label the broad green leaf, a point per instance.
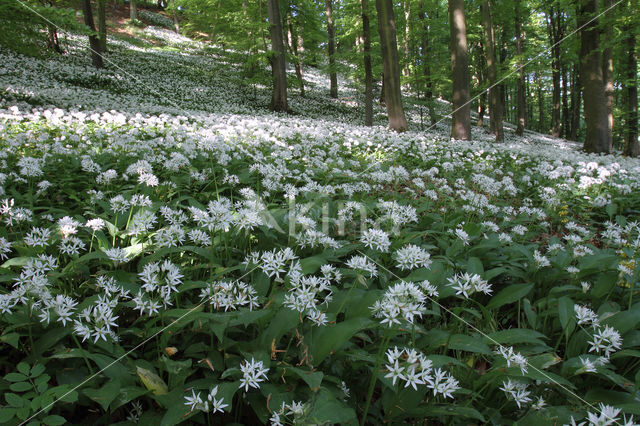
(474, 344)
(451, 410)
(328, 409)
(54, 420)
(14, 400)
(311, 378)
(474, 266)
(20, 386)
(332, 337)
(15, 377)
(509, 294)
(566, 315)
(105, 395)
(152, 381)
(516, 335)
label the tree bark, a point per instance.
(556, 25)
(278, 65)
(541, 128)
(631, 135)
(94, 42)
(521, 97)
(389, 47)
(607, 75)
(333, 76)
(576, 100)
(368, 73)
(174, 15)
(407, 35)
(295, 42)
(424, 50)
(461, 117)
(565, 103)
(133, 10)
(595, 108)
(495, 95)
(102, 25)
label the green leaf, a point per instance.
(37, 370)
(54, 420)
(462, 342)
(20, 386)
(566, 315)
(451, 410)
(15, 377)
(105, 395)
(517, 335)
(509, 294)
(313, 379)
(311, 264)
(6, 414)
(327, 409)
(10, 339)
(14, 400)
(152, 381)
(474, 266)
(332, 338)
(24, 368)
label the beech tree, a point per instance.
(94, 42)
(389, 47)
(277, 58)
(368, 79)
(461, 117)
(333, 75)
(495, 95)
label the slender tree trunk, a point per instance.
(102, 25)
(424, 50)
(480, 68)
(521, 97)
(389, 47)
(174, 15)
(133, 10)
(576, 100)
(607, 74)
(407, 36)
(556, 25)
(52, 38)
(278, 65)
(631, 135)
(461, 117)
(381, 100)
(495, 95)
(94, 42)
(541, 127)
(595, 107)
(333, 76)
(565, 103)
(368, 73)
(297, 57)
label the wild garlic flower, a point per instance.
(37, 237)
(411, 257)
(96, 224)
(5, 247)
(512, 357)
(253, 372)
(163, 278)
(608, 416)
(465, 284)
(405, 300)
(607, 340)
(210, 404)
(361, 263)
(376, 239)
(68, 226)
(230, 295)
(117, 255)
(586, 316)
(412, 367)
(292, 413)
(516, 391)
(541, 261)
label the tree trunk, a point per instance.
(595, 107)
(495, 95)
(389, 47)
(102, 25)
(631, 143)
(461, 117)
(541, 128)
(174, 13)
(295, 52)
(407, 35)
(607, 74)
(133, 10)
(278, 65)
(424, 50)
(576, 100)
(521, 97)
(556, 25)
(368, 73)
(565, 103)
(52, 38)
(94, 42)
(333, 76)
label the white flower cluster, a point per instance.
(376, 239)
(412, 367)
(411, 257)
(160, 282)
(288, 414)
(405, 300)
(230, 295)
(209, 404)
(308, 293)
(253, 372)
(513, 357)
(272, 262)
(361, 263)
(517, 391)
(465, 285)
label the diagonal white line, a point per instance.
(485, 335)
(88, 379)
